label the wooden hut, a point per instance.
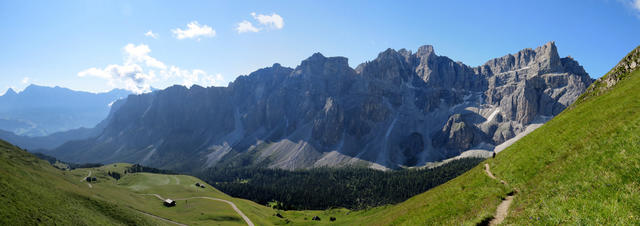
(169, 203)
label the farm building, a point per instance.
(169, 203)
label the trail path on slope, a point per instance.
(246, 219)
(85, 178)
(503, 208)
(160, 218)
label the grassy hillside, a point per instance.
(582, 167)
(33, 192)
(133, 189)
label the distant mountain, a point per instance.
(51, 141)
(40, 110)
(401, 109)
(47, 142)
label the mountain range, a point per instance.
(401, 109)
(581, 167)
(41, 110)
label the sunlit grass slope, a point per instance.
(133, 190)
(33, 192)
(583, 166)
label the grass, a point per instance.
(33, 192)
(132, 187)
(581, 167)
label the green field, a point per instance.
(134, 191)
(33, 192)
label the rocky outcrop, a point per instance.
(457, 136)
(628, 64)
(400, 109)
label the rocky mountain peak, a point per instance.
(544, 59)
(425, 50)
(548, 58)
(405, 53)
(10, 92)
(391, 55)
(319, 65)
(387, 53)
(317, 59)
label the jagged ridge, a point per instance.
(387, 113)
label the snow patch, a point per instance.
(146, 158)
(502, 73)
(493, 114)
(475, 153)
(537, 122)
(393, 123)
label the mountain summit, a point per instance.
(401, 109)
(9, 93)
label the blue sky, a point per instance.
(100, 45)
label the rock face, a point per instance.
(628, 64)
(401, 109)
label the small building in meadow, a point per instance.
(169, 203)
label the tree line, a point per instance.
(323, 188)
(71, 166)
(137, 168)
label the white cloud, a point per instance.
(131, 77)
(25, 80)
(633, 5)
(139, 71)
(140, 53)
(151, 34)
(195, 76)
(271, 21)
(194, 30)
(246, 26)
(210, 80)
